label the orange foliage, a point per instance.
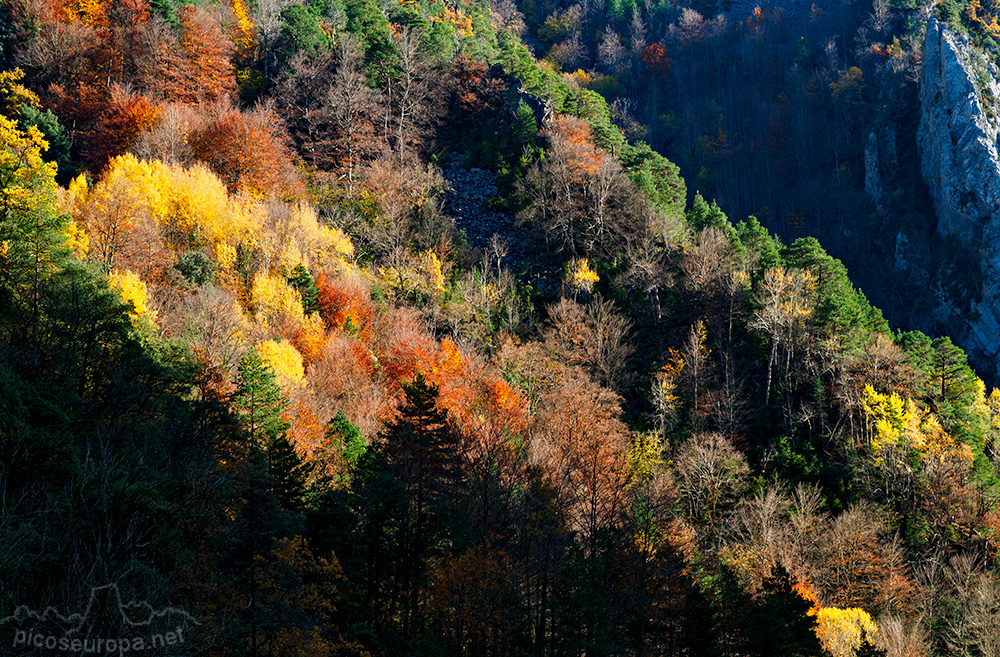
(197, 68)
(582, 444)
(409, 349)
(583, 157)
(343, 377)
(345, 306)
(307, 431)
(310, 338)
(656, 60)
(123, 118)
(247, 150)
(477, 592)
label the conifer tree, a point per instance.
(258, 401)
(780, 622)
(348, 437)
(288, 472)
(303, 281)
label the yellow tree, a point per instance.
(843, 631)
(133, 292)
(785, 301)
(32, 229)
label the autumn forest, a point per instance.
(488, 327)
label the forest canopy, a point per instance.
(376, 328)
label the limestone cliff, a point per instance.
(957, 138)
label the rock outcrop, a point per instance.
(957, 139)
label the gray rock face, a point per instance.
(957, 138)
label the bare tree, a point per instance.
(352, 105)
(611, 53)
(410, 111)
(710, 475)
(785, 303)
(594, 337)
(506, 16)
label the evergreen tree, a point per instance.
(868, 650)
(258, 401)
(753, 238)
(525, 126)
(700, 632)
(954, 380)
(347, 437)
(702, 215)
(406, 505)
(303, 281)
(780, 622)
(288, 472)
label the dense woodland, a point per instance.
(250, 367)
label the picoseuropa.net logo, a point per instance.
(107, 626)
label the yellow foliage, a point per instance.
(276, 305)
(285, 361)
(458, 18)
(742, 559)
(299, 236)
(312, 337)
(893, 417)
(199, 203)
(225, 256)
(193, 200)
(579, 77)
(22, 154)
(245, 27)
(31, 226)
(842, 631)
(13, 94)
(133, 291)
(580, 276)
(794, 291)
(149, 179)
(994, 404)
(421, 272)
(899, 421)
(77, 240)
(665, 385)
(339, 241)
(645, 456)
(76, 194)
(430, 266)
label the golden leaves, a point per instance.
(133, 291)
(842, 631)
(579, 275)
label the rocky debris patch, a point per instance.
(470, 201)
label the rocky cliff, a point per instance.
(957, 139)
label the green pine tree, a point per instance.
(258, 401)
(702, 215)
(347, 437)
(779, 622)
(288, 472)
(868, 650)
(700, 631)
(303, 281)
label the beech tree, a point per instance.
(582, 444)
(353, 106)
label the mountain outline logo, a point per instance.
(133, 614)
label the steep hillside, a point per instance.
(354, 328)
